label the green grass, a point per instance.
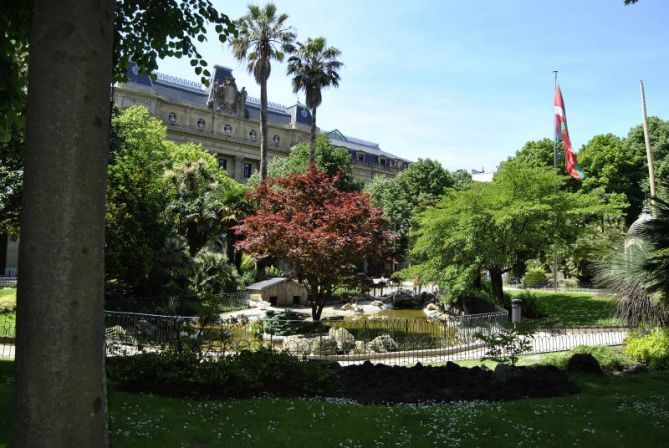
(7, 311)
(573, 309)
(611, 411)
(610, 358)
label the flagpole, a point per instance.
(649, 153)
(555, 167)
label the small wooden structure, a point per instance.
(278, 291)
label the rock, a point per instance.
(383, 344)
(144, 329)
(377, 303)
(584, 363)
(432, 314)
(115, 333)
(297, 345)
(360, 348)
(431, 307)
(324, 345)
(636, 368)
(347, 307)
(345, 340)
(503, 372)
(358, 309)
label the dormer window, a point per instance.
(201, 123)
(227, 129)
(172, 117)
(253, 135)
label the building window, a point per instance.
(297, 300)
(276, 139)
(273, 300)
(253, 135)
(248, 169)
(361, 157)
(201, 123)
(382, 162)
(172, 117)
(227, 129)
(223, 163)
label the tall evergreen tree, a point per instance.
(314, 66)
(262, 36)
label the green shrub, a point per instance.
(212, 274)
(247, 374)
(530, 306)
(284, 323)
(535, 278)
(7, 300)
(609, 358)
(650, 348)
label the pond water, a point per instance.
(390, 314)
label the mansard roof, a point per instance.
(196, 94)
(337, 138)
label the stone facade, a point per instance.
(225, 121)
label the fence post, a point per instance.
(516, 309)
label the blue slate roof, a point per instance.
(371, 149)
(184, 91)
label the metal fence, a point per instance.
(390, 341)
(8, 281)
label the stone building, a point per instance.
(225, 121)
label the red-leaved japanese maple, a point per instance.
(322, 232)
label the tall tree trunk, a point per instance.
(230, 239)
(496, 284)
(59, 394)
(312, 143)
(476, 281)
(263, 130)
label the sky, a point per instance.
(468, 82)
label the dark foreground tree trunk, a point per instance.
(59, 394)
(496, 284)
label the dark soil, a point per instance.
(368, 383)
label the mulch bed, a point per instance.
(377, 383)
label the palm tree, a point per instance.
(262, 36)
(314, 66)
(656, 233)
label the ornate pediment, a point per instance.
(224, 97)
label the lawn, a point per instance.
(575, 309)
(7, 311)
(611, 411)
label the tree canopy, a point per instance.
(314, 66)
(321, 231)
(495, 225)
(331, 159)
(400, 197)
(262, 36)
(162, 198)
(144, 32)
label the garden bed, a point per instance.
(374, 384)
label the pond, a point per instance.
(390, 314)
